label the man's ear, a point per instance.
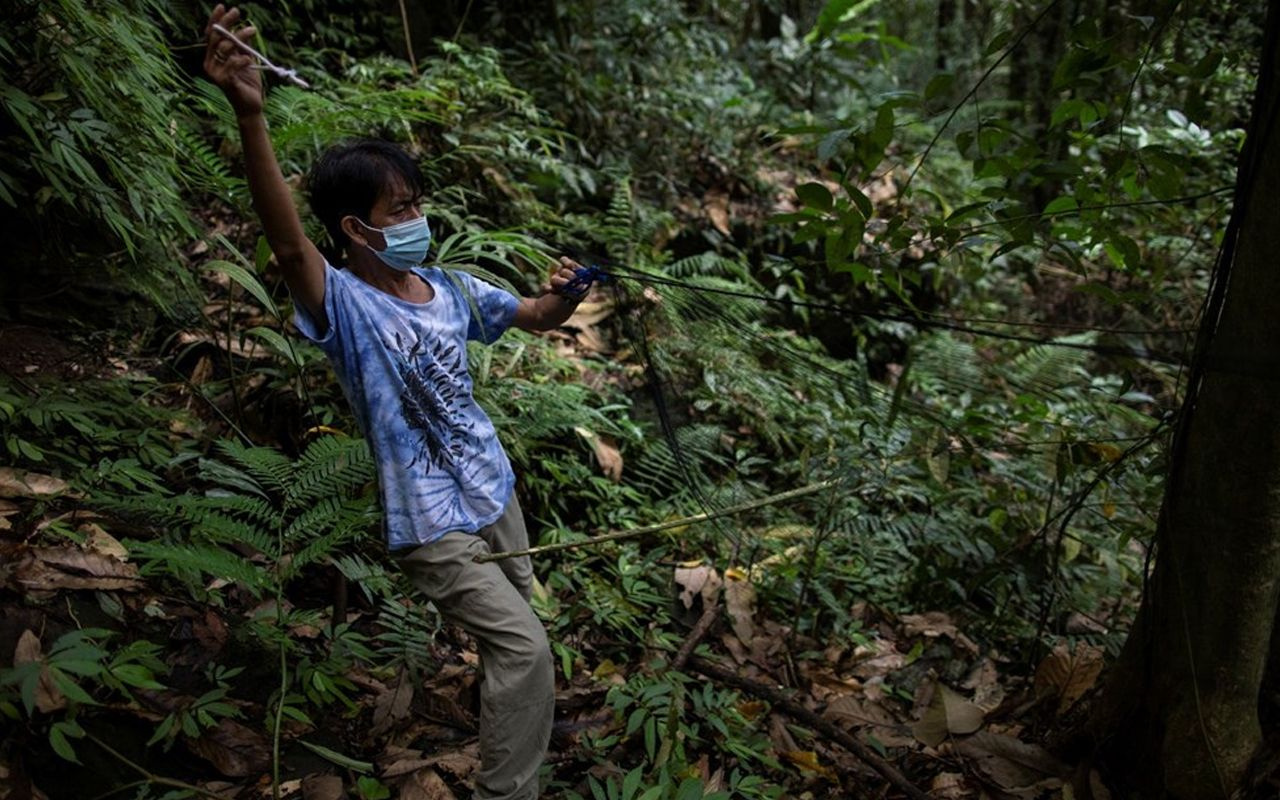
(360, 234)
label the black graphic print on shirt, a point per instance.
(432, 401)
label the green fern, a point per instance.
(332, 466)
(262, 503)
(191, 562)
(1045, 369)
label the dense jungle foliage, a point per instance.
(938, 262)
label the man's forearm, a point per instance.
(299, 260)
(550, 311)
(271, 196)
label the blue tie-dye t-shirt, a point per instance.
(403, 367)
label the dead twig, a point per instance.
(792, 709)
(661, 526)
(700, 629)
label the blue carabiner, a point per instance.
(583, 277)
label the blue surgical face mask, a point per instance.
(407, 243)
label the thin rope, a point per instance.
(951, 324)
(290, 75)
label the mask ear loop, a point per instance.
(290, 75)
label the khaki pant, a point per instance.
(491, 602)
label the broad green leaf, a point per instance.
(69, 687)
(58, 740)
(815, 195)
(277, 342)
(248, 281)
(690, 789)
(997, 44)
(860, 200)
(1061, 204)
(337, 758)
(834, 13)
(828, 144)
(1205, 67)
(136, 675)
(938, 84)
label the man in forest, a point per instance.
(396, 335)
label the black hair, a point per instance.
(349, 178)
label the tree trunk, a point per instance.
(1179, 716)
(944, 36)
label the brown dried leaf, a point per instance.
(102, 543)
(20, 483)
(694, 581)
(459, 763)
(933, 624)
(872, 718)
(877, 660)
(716, 203)
(323, 787)
(233, 749)
(425, 784)
(395, 761)
(442, 706)
(606, 452)
(735, 648)
(1097, 788)
(210, 632)
(1068, 675)
(984, 680)
(392, 704)
(827, 684)
(48, 696)
(948, 714)
(949, 786)
(1014, 766)
(90, 563)
(740, 597)
(807, 761)
(780, 734)
(33, 574)
(589, 313)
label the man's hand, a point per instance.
(231, 70)
(552, 309)
(562, 276)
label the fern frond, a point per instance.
(205, 169)
(191, 561)
(331, 466)
(697, 448)
(321, 547)
(1045, 369)
(711, 264)
(222, 529)
(269, 468)
(370, 576)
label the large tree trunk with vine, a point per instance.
(1180, 713)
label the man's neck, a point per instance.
(404, 285)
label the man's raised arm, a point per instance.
(233, 72)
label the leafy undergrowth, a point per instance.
(173, 597)
(132, 682)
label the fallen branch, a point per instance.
(149, 777)
(798, 712)
(700, 629)
(613, 536)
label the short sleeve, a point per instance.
(491, 309)
(306, 324)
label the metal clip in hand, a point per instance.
(288, 74)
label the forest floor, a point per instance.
(914, 705)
